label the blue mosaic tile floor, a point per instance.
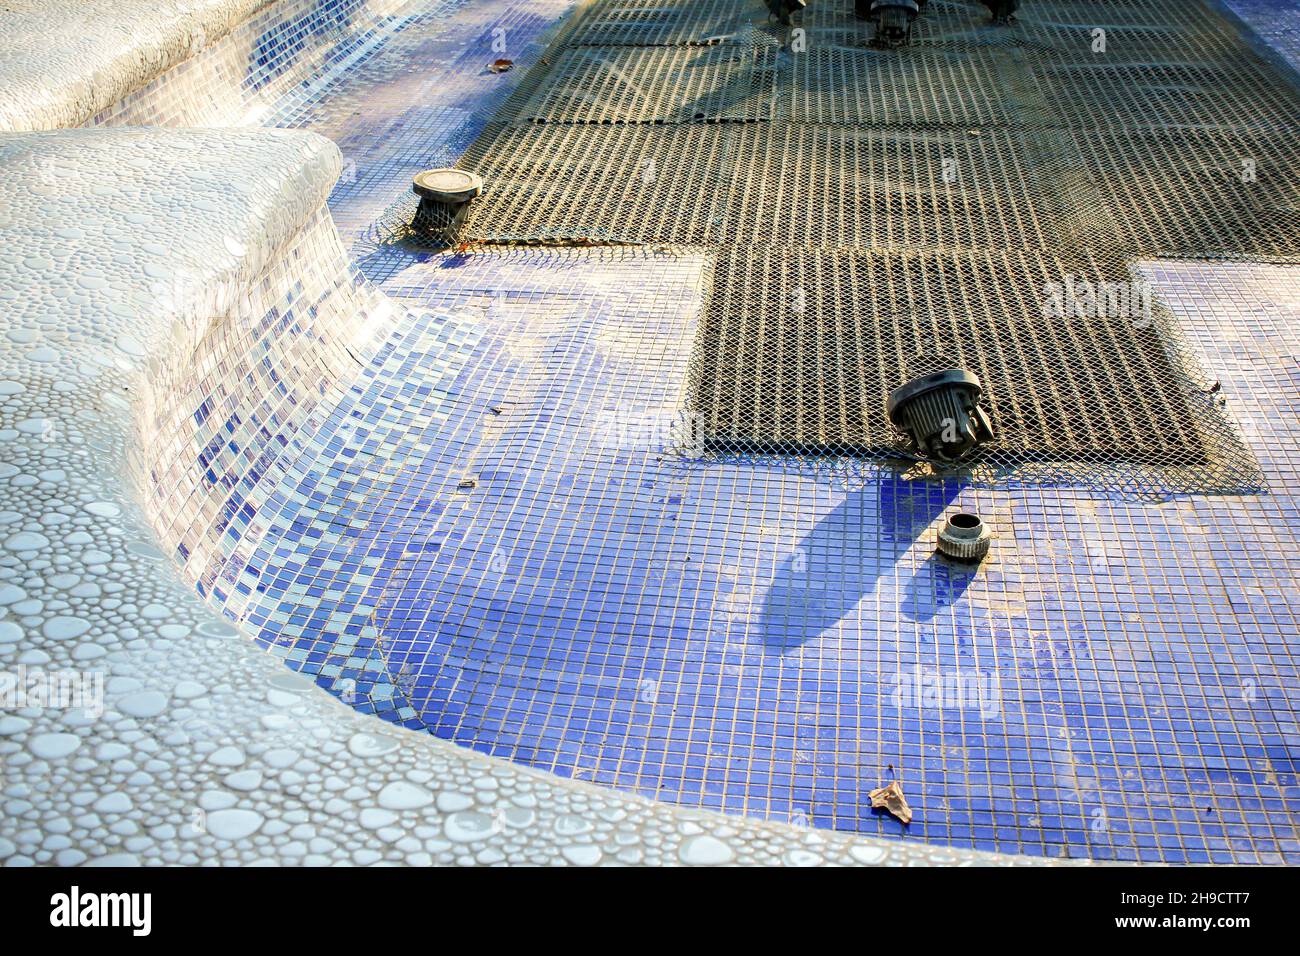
(541, 580)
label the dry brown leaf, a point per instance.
(892, 799)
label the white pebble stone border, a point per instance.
(65, 60)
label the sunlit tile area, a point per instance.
(457, 489)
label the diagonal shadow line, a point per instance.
(845, 556)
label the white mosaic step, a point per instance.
(65, 60)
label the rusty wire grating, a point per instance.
(663, 85)
(927, 194)
(838, 187)
(647, 23)
(799, 359)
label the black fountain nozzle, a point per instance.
(783, 10)
(893, 19)
(1003, 10)
(445, 195)
(940, 414)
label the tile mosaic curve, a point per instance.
(64, 61)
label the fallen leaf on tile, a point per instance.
(891, 798)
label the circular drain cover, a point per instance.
(447, 185)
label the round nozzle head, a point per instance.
(447, 185)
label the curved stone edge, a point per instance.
(62, 61)
(287, 50)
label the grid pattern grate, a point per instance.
(836, 85)
(557, 184)
(1199, 193)
(822, 186)
(792, 366)
(643, 23)
(969, 165)
(1167, 95)
(662, 85)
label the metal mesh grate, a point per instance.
(624, 85)
(663, 23)
(1042, 27)
(1171, 94)
(1169, 14)
(834, 85)
(583, 184)
(1198, 193)
(836, 187)
(797, 355)
(922, 202)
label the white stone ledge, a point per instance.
(62, 61)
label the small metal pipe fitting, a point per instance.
(964, 537)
